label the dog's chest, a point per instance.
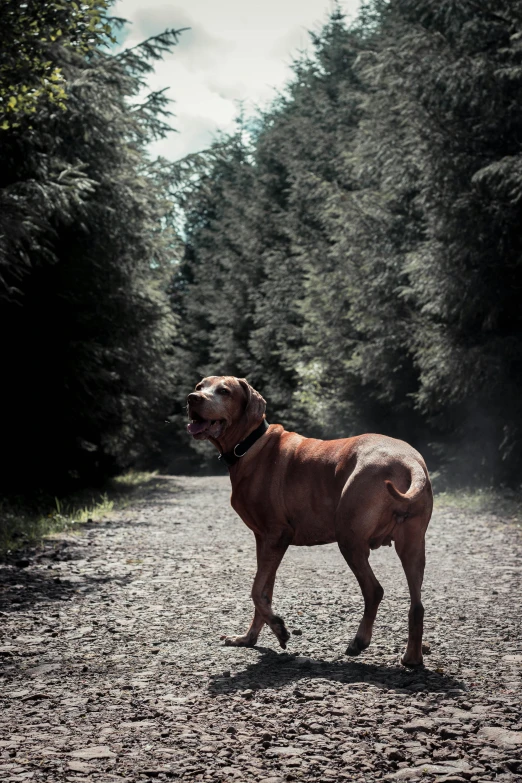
(310, 532)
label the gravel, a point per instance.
(112, 667)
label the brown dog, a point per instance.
(362, 492)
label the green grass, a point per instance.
(22, 526)
(504, 503)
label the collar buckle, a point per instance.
(231, 457)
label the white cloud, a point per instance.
(236, 51)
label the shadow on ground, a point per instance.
(22, 589)
(275, 670)
(22, 585)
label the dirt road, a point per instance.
(112, 667)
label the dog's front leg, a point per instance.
(270, 552)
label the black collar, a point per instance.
(231, 457)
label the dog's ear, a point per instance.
(255, 404)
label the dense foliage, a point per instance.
(33, 36)
(356, 253)
(85, 251)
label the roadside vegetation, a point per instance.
(502, 503)
(23, 526)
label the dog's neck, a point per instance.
(236, 438)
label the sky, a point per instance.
(237, 52)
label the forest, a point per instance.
(354, 250)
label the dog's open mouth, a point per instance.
(202, 429)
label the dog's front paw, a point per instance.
(238, 641)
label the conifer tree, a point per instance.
(85, 251)
(359, 257)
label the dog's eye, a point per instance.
(223, 391)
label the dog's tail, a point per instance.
(418, 483)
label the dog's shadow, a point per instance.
(275, 670)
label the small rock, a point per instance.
(512, 658)
(500, 736)
(441, 769)
(22, 563)
(26, 639)
(420, 770)
(79, 766)
(403, 774)
(297, 632)
(303, 660)
(448, 732)
(479, 709)
(137, 724)
(419, 724)
(96, 752)
(43, 669)
(38, 696)
(394, 754)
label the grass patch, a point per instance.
(503, 503)
(132, 483)
(22, 526)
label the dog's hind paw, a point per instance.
(356, 647)
(412, 663)
(278, 627)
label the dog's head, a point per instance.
(223, 408)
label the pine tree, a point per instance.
(88, 361)
(447, 80)
(359, 257)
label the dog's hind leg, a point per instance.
(269, 556)
(409, 544)
(356, 555)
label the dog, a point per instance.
(361, 492)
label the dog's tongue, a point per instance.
(197, 426)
